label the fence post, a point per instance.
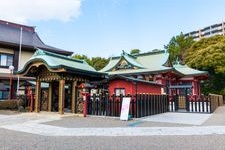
(132, 105)
(147, 104)
(137, 105)
(93, 105)
(120, 104)
(203, 104)
(106, 104)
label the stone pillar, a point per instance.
(61, 96)
(37, 96)
(50, 97)
(74, 96)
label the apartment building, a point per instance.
(216, 29)
(17, 44)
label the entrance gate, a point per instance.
(180, 99)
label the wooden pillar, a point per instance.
(74, 96)
(37, 96)
(61, 96)
(50, 97)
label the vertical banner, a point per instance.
(125, 108)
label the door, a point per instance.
(182, 100)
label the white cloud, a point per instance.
(34, 10)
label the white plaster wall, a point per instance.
(25, 56)
(4, 70)
(6, 50)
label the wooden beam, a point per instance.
(74, 96)
(50, 97)
(61, 96)
(37, 96)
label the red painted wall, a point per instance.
(130, 87)
(118, 83)
(148, 88)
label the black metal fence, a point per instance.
(140, 105)
(196, 104)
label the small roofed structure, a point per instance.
(59, 71)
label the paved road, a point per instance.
(23, 141)
(50, 131)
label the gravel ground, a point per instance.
(99, 122)
(13, 140)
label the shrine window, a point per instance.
(120, 91)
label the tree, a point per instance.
(83, 57)
(97, 62)
(178, 47)
(209, 54)
(135, 51)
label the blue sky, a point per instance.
(106, 27)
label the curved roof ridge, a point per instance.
(53, 60)
(42, 52)
(111, 64)
(133, 61)
(186, 70)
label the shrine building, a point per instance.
(151, 73)
(63, 74)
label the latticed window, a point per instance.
(6, 60)
(120, 91)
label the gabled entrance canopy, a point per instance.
(58, 70)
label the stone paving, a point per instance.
(50, 131)
(52, 124)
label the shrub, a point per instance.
(10, 104)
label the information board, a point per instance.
(125, 108)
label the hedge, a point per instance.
(10, 104)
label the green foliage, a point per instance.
(135, 51)
(97, 62)
(209, 54)
(178, 46)
(83, 57)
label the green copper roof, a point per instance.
(56, 61)
(150, 62)
(110, 65)
(154, 60)
(187, 71)
(145, 62)
(116, 60)
(138, 71)
(132, 61)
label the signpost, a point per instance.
(125, 108)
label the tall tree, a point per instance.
(135, 51)
(209, 54)
(178, 47)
